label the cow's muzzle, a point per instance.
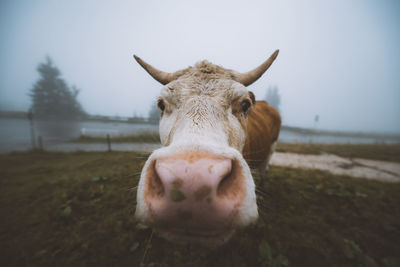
(194, 193)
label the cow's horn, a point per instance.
(253, 75)
(160, 76)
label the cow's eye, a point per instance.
(246, 105)
(161, 104)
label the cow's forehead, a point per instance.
(204, 79)
(205, 70)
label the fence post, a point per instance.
(40, 143)
(30, 118)
(109, 143)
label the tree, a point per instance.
(51, 96)
(273, 97)
(154, 113)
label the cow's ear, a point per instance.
(252, 97)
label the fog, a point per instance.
(339, 59)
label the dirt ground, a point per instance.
(76, 209)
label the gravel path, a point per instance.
(363, 168)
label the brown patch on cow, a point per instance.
(233, 185)
(263, 127)
(153, 187)
(177, 182)
(202, 193)
(210, 168)
(184, 215)
(242, 116)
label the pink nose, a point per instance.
(197, 191)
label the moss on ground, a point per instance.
(76, 209)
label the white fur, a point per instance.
(198, 117)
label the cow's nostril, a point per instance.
(230, 185)
(155, 185)
(225, 183)
(177, 195)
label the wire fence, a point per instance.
(22, 135)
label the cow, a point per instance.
(198, 188)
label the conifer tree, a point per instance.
(51, 96)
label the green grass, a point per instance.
(375, 151)
(76, 209)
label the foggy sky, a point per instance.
(339, 59)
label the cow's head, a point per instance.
(198, 187)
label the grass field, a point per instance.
(76, 209)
